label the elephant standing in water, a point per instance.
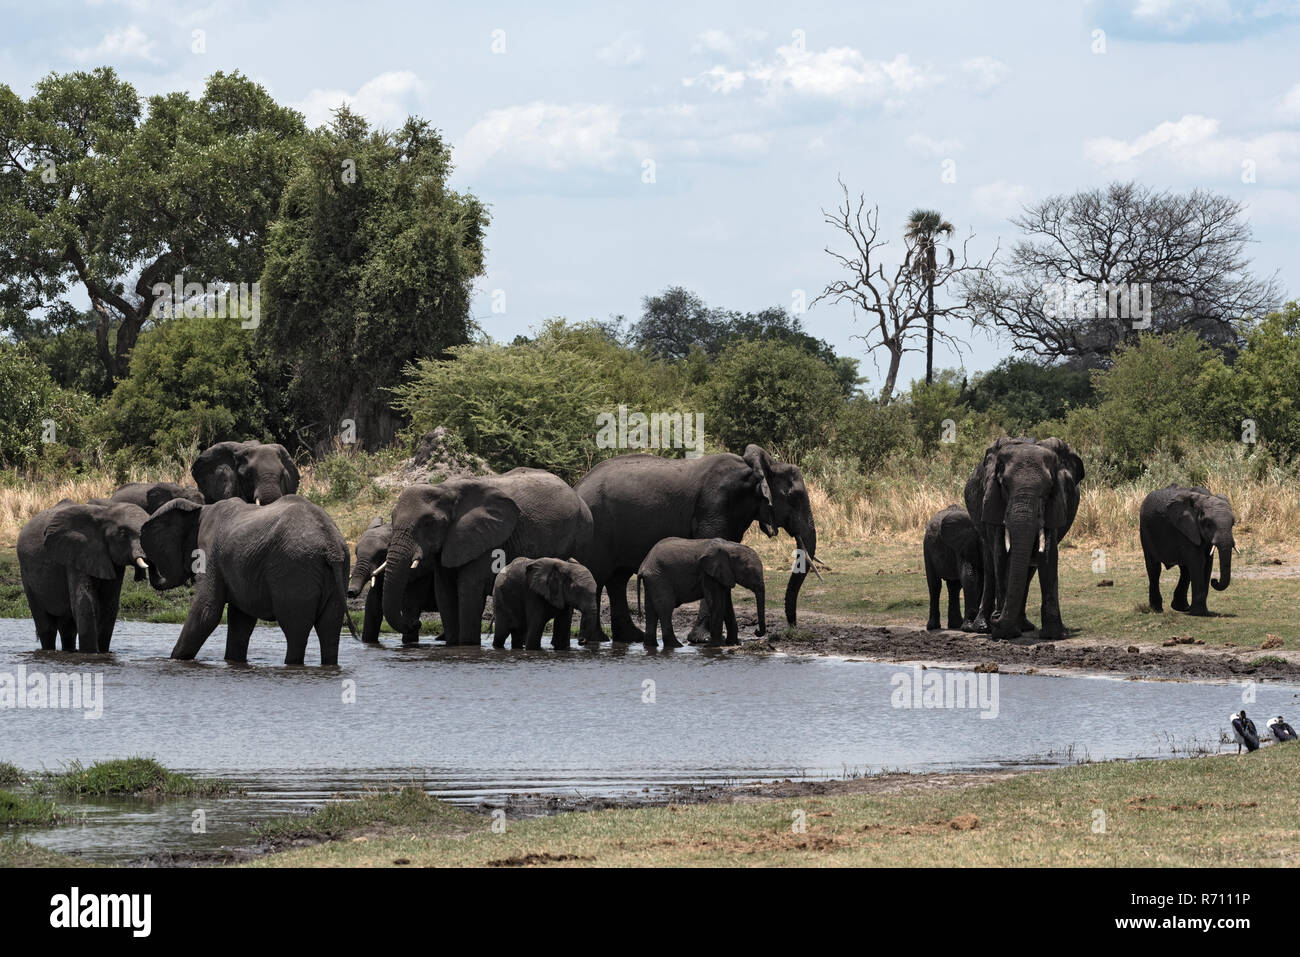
(682, 570)
(250, 471)
(1023, 497)
(152, 496)
(372, 562)
(638, 500)
(468, 529)
(532, 591)
(285, 562)
(1183, 527)
(71, 558)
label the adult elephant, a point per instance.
(471, 528)
(152, 496)
(252, 471)
(286, 562)
(1183, 527)
(638, 500)
(372, 567)
(71, 558)
(1023, 496)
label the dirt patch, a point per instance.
(438, 455)
(532, 860)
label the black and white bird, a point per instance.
(1243, 729)
(1281, 730)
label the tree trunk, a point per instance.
(891, 378)
(929, 315)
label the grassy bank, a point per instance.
(1213, 811)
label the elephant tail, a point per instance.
(341, 587)
(639, 613)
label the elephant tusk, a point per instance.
(378, 571)
(1006, 538)
(141, 563)
(414, 565)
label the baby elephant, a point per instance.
(681, 570)
(1183, 526)
(953, 555)
(372, 561)
(529, 592)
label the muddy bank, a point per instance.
(1024, 655)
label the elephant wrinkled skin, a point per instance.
(250, 471)
(681, 570)
(1183, 527)
(532, 591)
(371, 566)
(953, 555)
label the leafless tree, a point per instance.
(1189, 247)
(896, 299)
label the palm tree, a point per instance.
(924, 227)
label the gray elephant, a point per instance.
(638, 500)
(285, 562)
(252, 471)
(371, 566)
(1183, 527)
(681, 570)
(71, 558)
(1023, 497)
(954, 555)
(463, 527)
(529, 592)
(152, 496)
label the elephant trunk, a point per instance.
(1022, 530)
(805, 537)
(1225, 568)
(400, 555)
(268, 490)
(360, 575)
(760, 600)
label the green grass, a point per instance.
(1210, 811)
(20, 809)
(139, 602)
(131, 776)
(10, 774)
(409, 807)
(18, 853)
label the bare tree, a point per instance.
(1185, 252)
(897, 300)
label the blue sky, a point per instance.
(748, 112)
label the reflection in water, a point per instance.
(470, 724)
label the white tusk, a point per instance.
(414, 564)
(141, 563)
(379, 571)
(1042, 541)
(1006, 536)
(257, 501)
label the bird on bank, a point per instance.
(1243, 730)
(1281, 730)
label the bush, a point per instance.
(37, 418)
(872, 433)
(1019, 394)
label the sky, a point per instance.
(624, 148)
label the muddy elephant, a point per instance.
(953, 555)
(1184, 527)
(251, 471)
(285, 562)
(152, 496)
(71, 558)
(371, 566)
(638, 500)
(1023, 497)
(468, 529)
(682, 570)
(530, 592)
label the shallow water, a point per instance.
(476, 724)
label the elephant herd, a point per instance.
(1021, 500)
(254, 549)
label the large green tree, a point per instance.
(370, 267)
(103, 196)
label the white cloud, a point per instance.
(552, 136)
(933, 147)
(984, 73)
(719, 41)
(385, 100)
(1170, 135)
(624, 50)
(1193, 146)
(718, 80)
(1290, 108)
(1000, 199)
(127, 43)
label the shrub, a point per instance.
(29, 403)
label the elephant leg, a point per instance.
(1026, 625)
(1200, 585)
(665, 612)
(85, 609)
(110, 599)
(1153, 578)
(988, 588)
(1180, 590)
(536, 614)
(374, 614)
(972, 584)
(471, 595)
(328, 628)
(933, 585)
(619, 616)
(651, 618)
(47, 626)
(67, 633)
(729, 619)
(500, 624)
(239, 629)
(702, 628)
(954, 604)
(295, 636)
(205, 614)
(562, 629)
(1053, 627)
(445, 594)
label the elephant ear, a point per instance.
(994, 506)
(215, 472)
(1181, 513)
(716, 563)
(1066, 456)
(73, 537)
(170, 534)
(484, 519)
(289, 481)
(760, 464)
(544, 579)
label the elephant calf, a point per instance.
(681, 570)
(71, 558)
(1183, 526)
(953, 554)
(529, 592)
(285, 562)
(372, 561)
